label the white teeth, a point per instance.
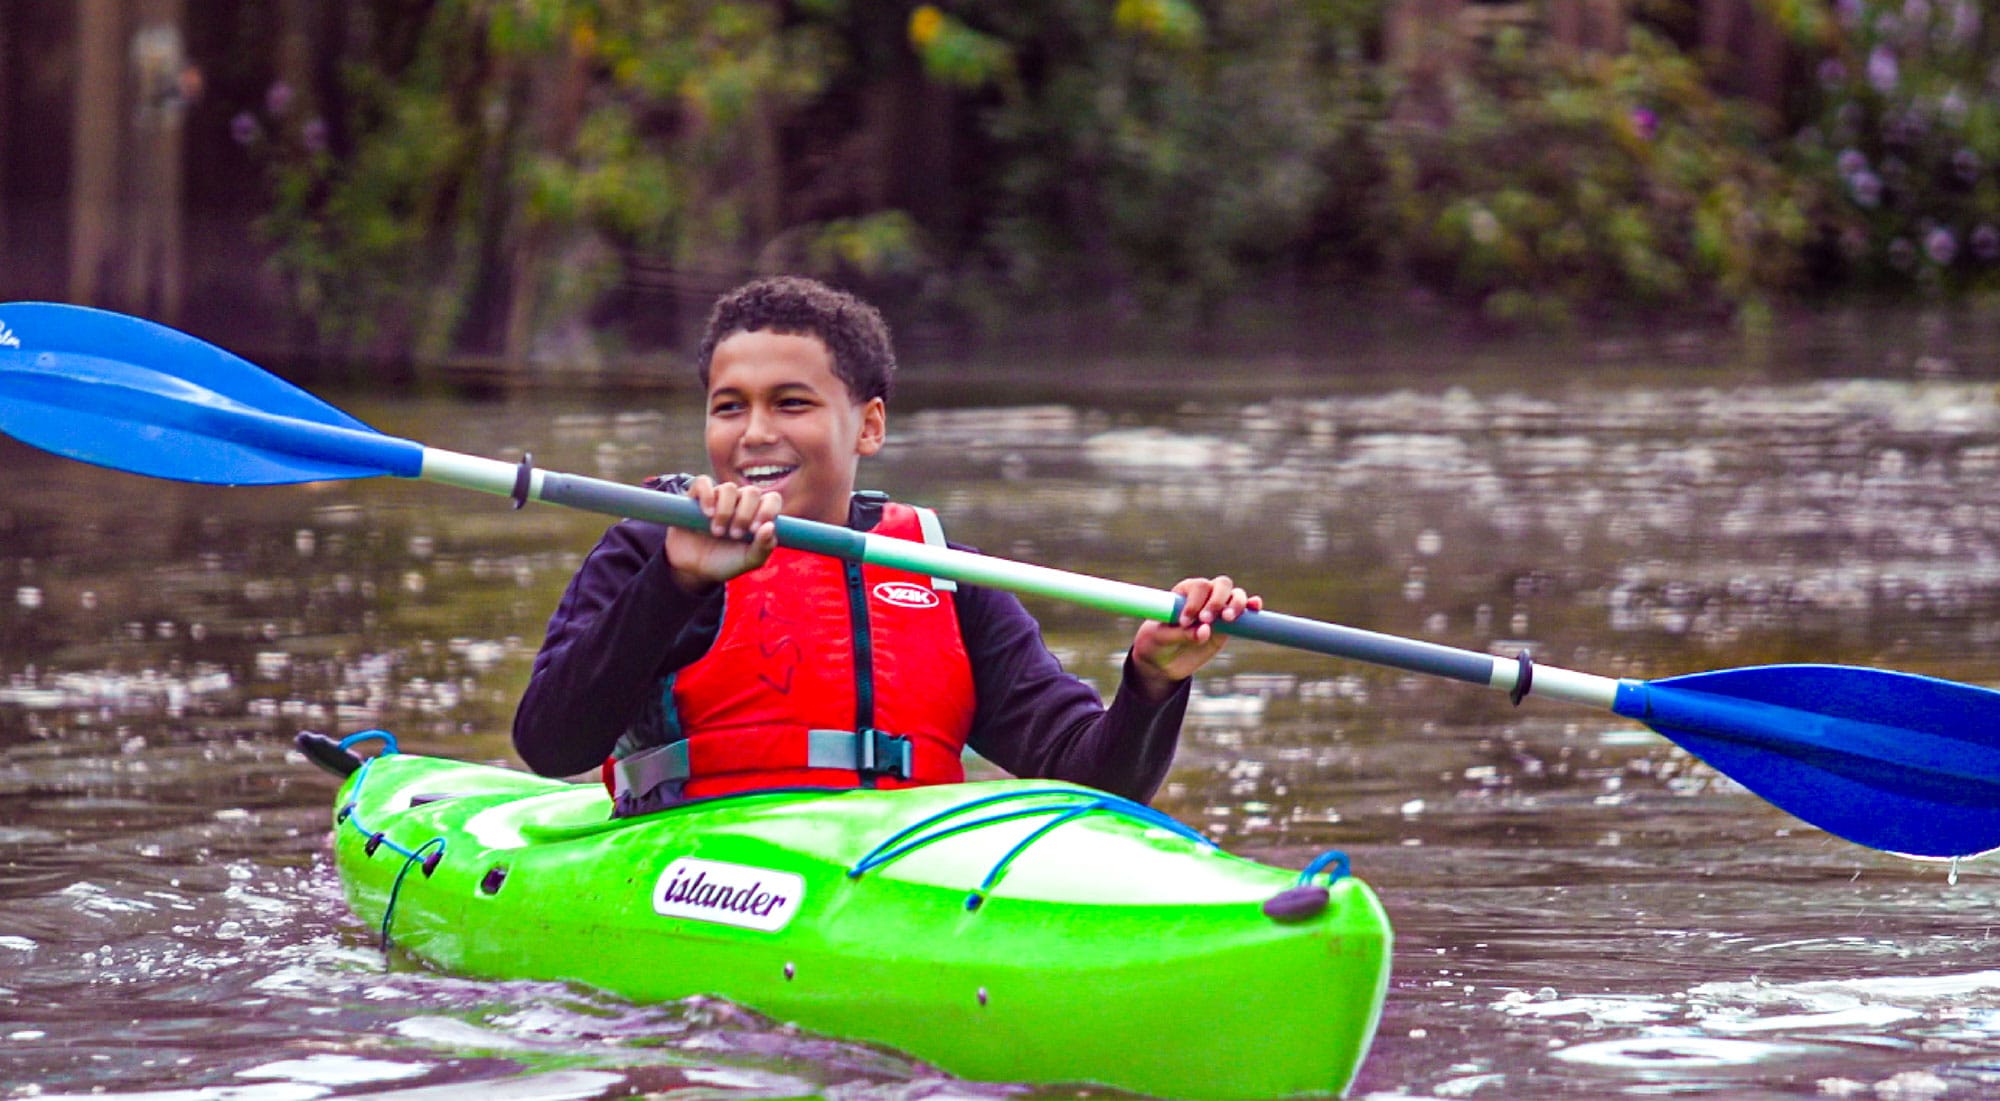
(766, 473)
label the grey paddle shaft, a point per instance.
(1117, 597)
(1351, 642)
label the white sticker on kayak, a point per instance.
(729, 894)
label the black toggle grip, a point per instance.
(327, 754)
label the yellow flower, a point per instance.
(1145, 16)
(926, 23)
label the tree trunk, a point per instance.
(153, 226)
(1588, 26)
(767, 171)
(94, 145)
(294, 52)
(557, 90)
(127, 180)
(1424, 47)
(6, 98)
(1745, 52)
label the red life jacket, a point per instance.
(818, 662)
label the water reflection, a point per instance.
(1582, 907)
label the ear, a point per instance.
(874, 427)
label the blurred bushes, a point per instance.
(1591, 183)
(1907, 131)
(488, 174)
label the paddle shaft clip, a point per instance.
(524, 479)
(1524, 681)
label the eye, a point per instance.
(722, 407)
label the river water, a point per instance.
(1582, 909)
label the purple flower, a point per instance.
(1965, 162)
(1952, 108)
(313, 134)
(1964, 23)
(278, 99)
(1941, 246)
(1986, 243)
(244, 128)
(1866, 188)
(1851, 161)
(1883, 71)
(1832, 74)
(1904, 127)
(1850, 12)
(1645, 122)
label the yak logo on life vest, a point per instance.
(905, 595)
(728, 894)
(7, 337)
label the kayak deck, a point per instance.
(1008, 930)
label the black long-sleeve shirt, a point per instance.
(623, 624)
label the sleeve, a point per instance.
(1034, 719)
(620, 626)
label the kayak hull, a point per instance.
(1031, 931)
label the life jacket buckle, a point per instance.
(878, 753)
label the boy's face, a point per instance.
(779, 418)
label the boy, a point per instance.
(704, 663)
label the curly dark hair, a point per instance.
(852, 330)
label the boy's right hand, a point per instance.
(741, 535)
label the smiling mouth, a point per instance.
(766, 475)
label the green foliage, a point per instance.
(954, 53)
(1166, 156)
(1906, 129)
(1563, 184)
(515, 131)
(888, 243)
(498, 166)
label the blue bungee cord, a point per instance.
(1081, 802)
(377, 839)
(1332, 863)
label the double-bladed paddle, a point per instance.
(1894, 761)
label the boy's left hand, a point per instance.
(1165, 654)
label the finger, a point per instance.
(1214, 595)
(728, 510)
(743, 520)
(1194, 599)
(768, 508)
(702, 489)
(725, 509)
(1220, 589)
(764, 541)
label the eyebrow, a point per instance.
(780, 388)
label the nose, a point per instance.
(762, 426)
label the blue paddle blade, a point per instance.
(125, 393)
(1895, 761)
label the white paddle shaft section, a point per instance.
(1548, 681)
(453, 468)
(1117, 597)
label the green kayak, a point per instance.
(1023, 931)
